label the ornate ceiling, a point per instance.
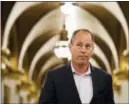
(30, 30)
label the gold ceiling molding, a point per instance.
(11, 72)
(122, 73)
(29, 88)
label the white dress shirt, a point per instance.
(84, 85)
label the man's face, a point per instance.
(81, 48)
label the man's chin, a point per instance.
(82, 62)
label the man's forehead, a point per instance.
(84, 34)
(87, 39)
(81, 32)
(79, 35)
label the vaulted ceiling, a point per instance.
(30, 31)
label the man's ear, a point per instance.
(93, 50)
(69, 46)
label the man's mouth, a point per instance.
(82, 56)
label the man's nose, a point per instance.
(83, 49)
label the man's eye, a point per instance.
(79, 45)
(88, 46)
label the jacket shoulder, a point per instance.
(60, 69)
(101, 72)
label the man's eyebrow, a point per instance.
(82, 43)
(79, 42)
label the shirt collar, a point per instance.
(88, 72)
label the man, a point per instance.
(78, 82)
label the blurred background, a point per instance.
(35, 38)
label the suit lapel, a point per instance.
(94, 81)
(72, 85)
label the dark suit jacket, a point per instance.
(59, 87)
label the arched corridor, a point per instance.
(35, 37)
